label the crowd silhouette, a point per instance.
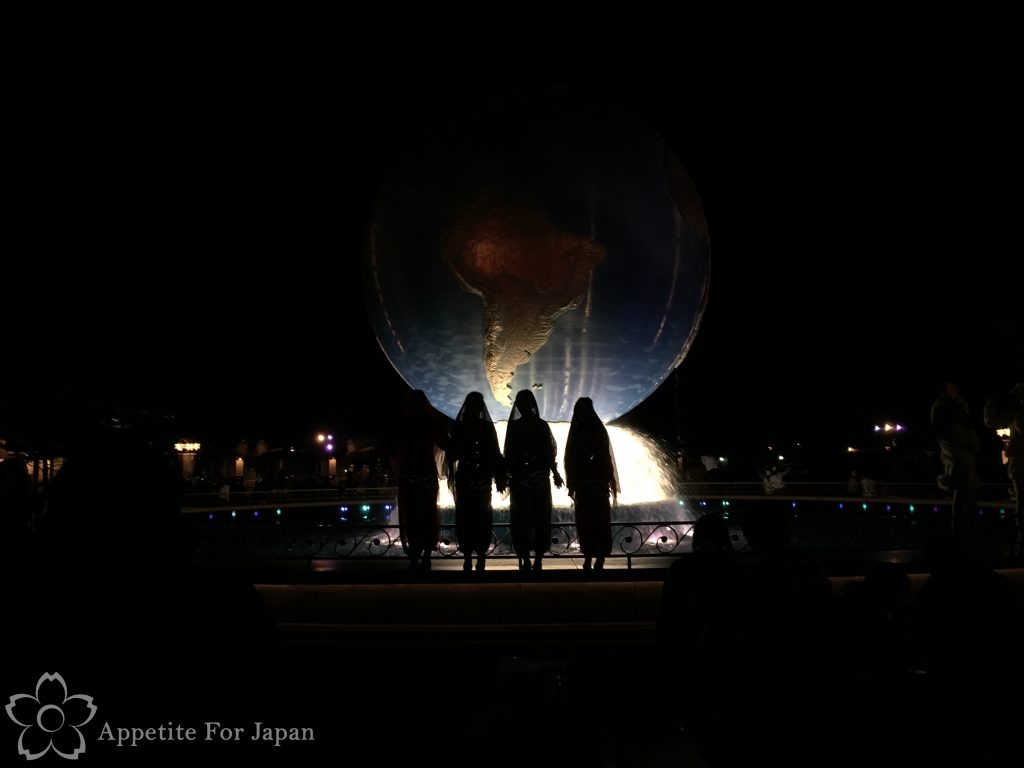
(779, 665)
(110, 596)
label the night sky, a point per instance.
(189, 193)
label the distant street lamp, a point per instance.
(326, 440)
(890, 430)
(187, 451)
(1004, 435)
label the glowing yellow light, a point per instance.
(1005, 432)
(851, 449)
(320, 438)
(186, 447)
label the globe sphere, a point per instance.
(542, 240)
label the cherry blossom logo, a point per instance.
(51, 719)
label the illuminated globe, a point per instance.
(540, 242)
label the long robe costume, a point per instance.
(530, 458)
(474, 462)
(590, 478)
(415, 455)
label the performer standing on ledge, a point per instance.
(531, 459)
(415, 457)
(1008, 413)
(473, 462)
(589, 477)
(959, 446)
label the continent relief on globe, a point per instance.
(526, 271)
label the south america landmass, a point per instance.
(526, 271)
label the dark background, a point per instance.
(189, 189)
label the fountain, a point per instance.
(648, 513)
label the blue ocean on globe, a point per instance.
(543, 241)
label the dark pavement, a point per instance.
(398, 668)
(562, 668)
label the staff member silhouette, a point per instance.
(415, 457)
(959, 446)
(1008, 413)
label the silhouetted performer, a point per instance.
(531, 460)
(1008, 413)
(590, 477)
(415, 457)
(473, 463)
(959, 446)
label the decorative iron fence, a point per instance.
(363, 526)
(326, 542)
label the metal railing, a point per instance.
(372, 542)
(902, 490)
(315, 524)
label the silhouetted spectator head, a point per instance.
(117, 495)
(711, 534)
(886, 586)
(766, 530)
(950, 407)
(943, 548)
(14, 481)
(16, 509)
